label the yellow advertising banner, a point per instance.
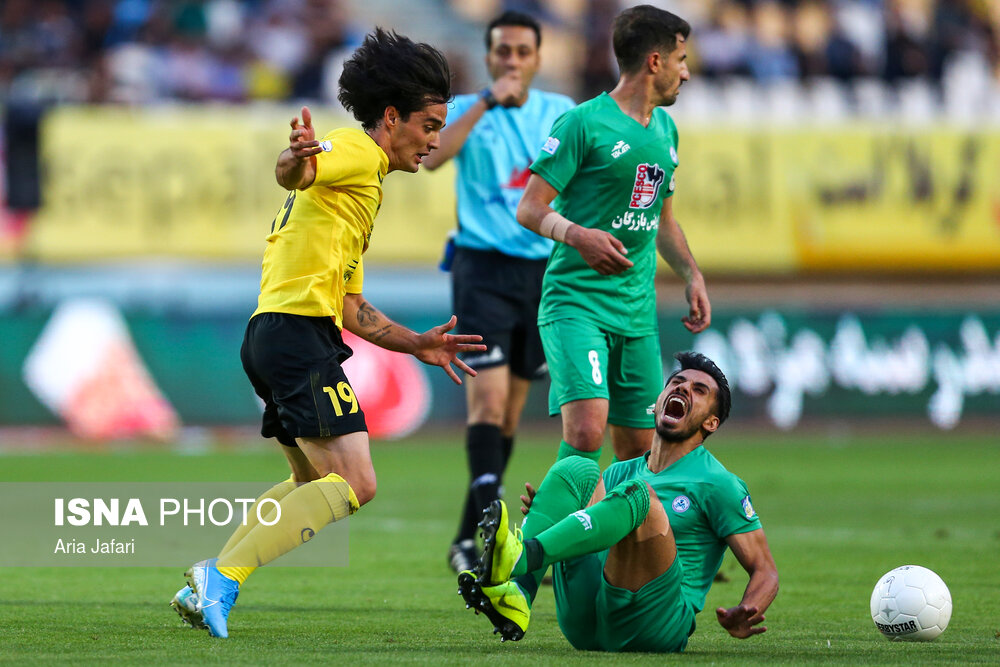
(732, 208)
(836, 200)
(888, 199)
(198, 182)
(172, 182)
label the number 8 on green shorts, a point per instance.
(587, 362)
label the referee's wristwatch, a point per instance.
(487, 96)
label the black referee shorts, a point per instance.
(497, 295)
(293, 362)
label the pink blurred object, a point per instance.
(392, 388)
(85, 368)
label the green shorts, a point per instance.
(596, 616)
(586, 362)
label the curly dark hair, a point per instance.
(642, 29)
(699, 362)
(390, 70)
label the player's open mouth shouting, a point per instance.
(675, 408)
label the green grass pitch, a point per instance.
(839, 512)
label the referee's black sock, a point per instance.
(470, 518)
(484, 444)
(507, 447)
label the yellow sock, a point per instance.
(276, 492)
(304, 512)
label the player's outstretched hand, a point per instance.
(601, 250)
(741, 621)
(302, 140)
(437, 347)
(527, 498)
(699, 316)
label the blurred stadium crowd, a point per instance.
(857, 56)
(143, 51)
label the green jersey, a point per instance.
(705, 504)
(611, 174)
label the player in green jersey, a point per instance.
(602, 187)
(635, 550)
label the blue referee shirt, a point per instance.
(493, 170)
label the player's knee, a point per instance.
(630, 449)
(656, 517)
(636, 493)
(583, 427)
(487, 403)
(364, 488)
(578, 473)
(485, 414)
(585, 435)
(510, 423)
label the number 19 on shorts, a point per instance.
(342, 397)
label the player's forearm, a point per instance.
(544, 221)
(538, 216)
(530, 213)
(293, 173)
(453, 137)
(535, 212)
(761, 589)
(366, 321)
(672, 246)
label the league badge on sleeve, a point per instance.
(550, 146)
(748, 508)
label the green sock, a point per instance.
(567, 450)
(567, 487)
(587, 531)
(532, 558)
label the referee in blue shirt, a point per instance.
(497, 264)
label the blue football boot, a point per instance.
(216, 593)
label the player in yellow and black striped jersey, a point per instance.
(310, 289)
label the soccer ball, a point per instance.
(911, 603)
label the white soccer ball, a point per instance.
(911, 603)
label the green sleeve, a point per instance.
(730, 510)
(563, 152)
(612, 475)
(675, 139)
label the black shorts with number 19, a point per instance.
(294, 364)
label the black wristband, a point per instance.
(486, 95)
